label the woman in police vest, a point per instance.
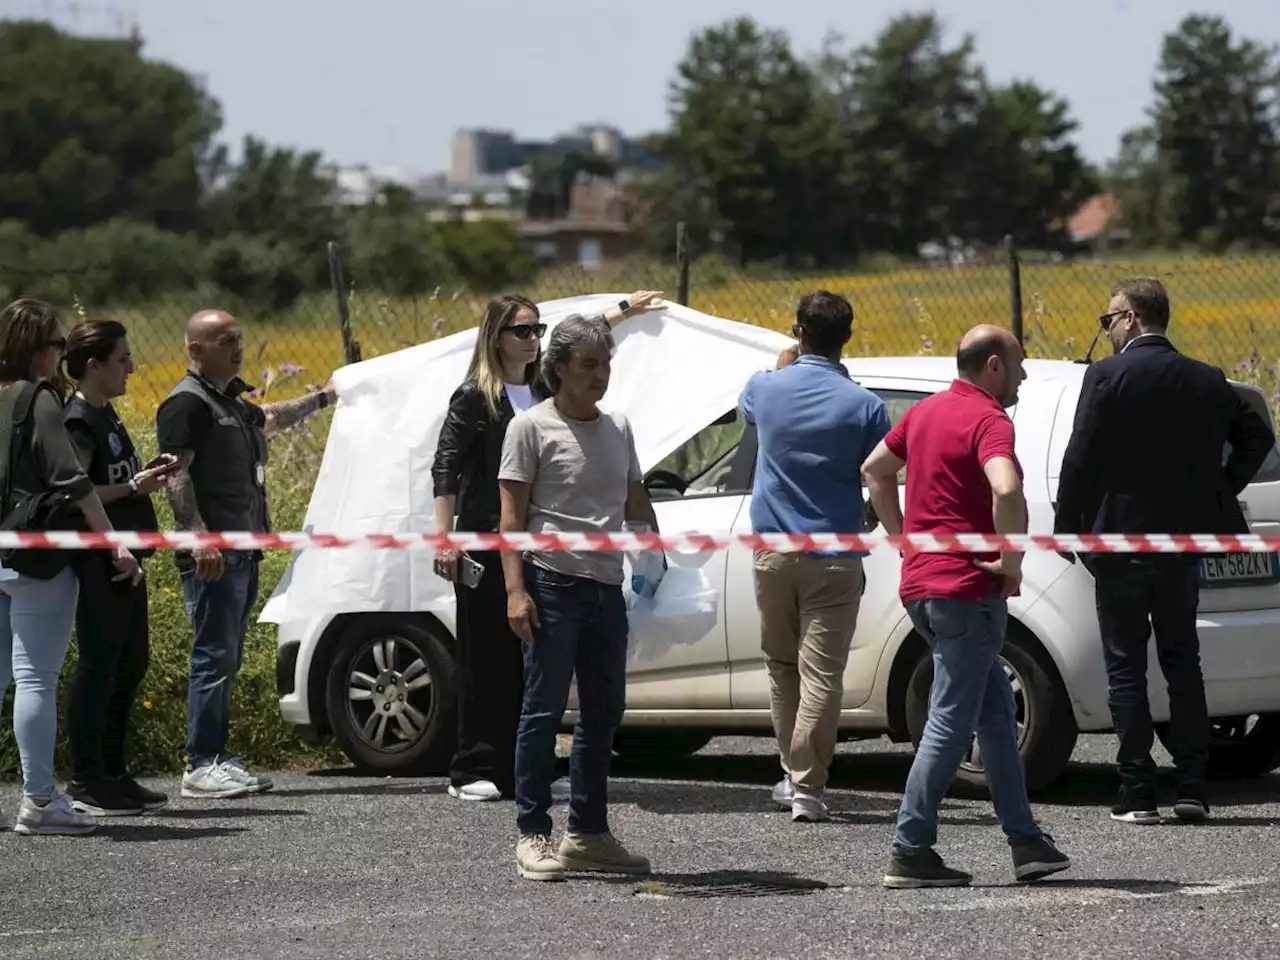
(111, 619)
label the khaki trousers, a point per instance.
(808, 611)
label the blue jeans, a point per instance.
(35, 628)
(971, 694)
(584, 631)
(219, 612)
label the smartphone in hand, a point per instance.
(469, 572)
(165, 464)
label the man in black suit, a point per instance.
(1145, 456)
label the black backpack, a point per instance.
(29, 510)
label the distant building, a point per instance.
(478, 153)
(599, 227)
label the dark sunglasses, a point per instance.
(1107, 319)
(523, 331)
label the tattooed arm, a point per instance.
(181, 493)
(288, 413)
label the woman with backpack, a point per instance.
(44, 488)
(111, 617)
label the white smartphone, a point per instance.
(469, 572)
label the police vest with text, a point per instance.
(115, 461)
(229, 471)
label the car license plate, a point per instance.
(1239, 570)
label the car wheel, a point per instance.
(658, 744)
(391, 694)
(1240, 748)
(1046, 728)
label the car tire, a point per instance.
(658, 744)
(1048, 735)
(416, 735)
(1240, 748)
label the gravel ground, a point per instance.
(334, 866)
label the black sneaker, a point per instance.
(102, 799)
(151, 800)
(1191, 805)
(1038, 859)
(1135, 806)
(911, 871)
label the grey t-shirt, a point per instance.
(578, 472)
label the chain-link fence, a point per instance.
(1226, 311)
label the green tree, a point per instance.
(1211, 160)
(396, 250)
(752, 151)
(91, 131)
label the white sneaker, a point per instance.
(784, 791)
(561, 790)
(55, 818)
(480, 790)
(808, 808)
(212, 781)
(253, 782)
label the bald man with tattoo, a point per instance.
(220, 440)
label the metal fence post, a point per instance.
(1015, 288)
(350, 346)
(682, 264)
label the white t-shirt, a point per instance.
(520, 395)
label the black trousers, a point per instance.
(1134, 595)
(113, 645)
(491, 674)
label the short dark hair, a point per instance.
(91, 340)
(827, 320)
(27, 326)
(972, 357)
(1148, 298)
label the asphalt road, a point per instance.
(334, 866)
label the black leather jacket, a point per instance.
(469, 453)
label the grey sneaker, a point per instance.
(808, 808)
(599, 853)
(253, 782)
(536, 861)
(55, 818)
(212, 781)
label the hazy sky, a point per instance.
(385, 82)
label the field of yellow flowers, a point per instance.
(1226, 310)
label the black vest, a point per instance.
(229, 472)
(115, 460)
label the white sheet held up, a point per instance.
(675, 371)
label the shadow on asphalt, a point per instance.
(156, 833)
(722, 883)
(381, 785)
(227, 813)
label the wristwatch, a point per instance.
(624, 306)
(324, 399)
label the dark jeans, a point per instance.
(112, 640)
(971, 695)
(219, 612)
(1135, 594)
(584, 631)
(491, 673)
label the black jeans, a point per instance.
(1134, 595)
(491, 676)
(112, 640)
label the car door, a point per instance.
(698, 488)
(880, 610)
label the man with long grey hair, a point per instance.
(568, 466)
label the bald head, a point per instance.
(215, 345)
(206, 325)
(979, 345)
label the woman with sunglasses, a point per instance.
(503, 380)
(38, 594)
(111, 618)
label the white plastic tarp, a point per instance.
(675, 371)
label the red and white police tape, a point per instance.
(675, 542)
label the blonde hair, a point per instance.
(486, 361)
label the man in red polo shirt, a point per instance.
(964, 477)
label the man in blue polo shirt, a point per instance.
(815, 427)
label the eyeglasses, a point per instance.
(1107, 319)
(523, 331)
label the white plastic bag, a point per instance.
(647, 566)
(683, 610)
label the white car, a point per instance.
(384, 683)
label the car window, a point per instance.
(704, 462)
(1269, 472)
(897, 403)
